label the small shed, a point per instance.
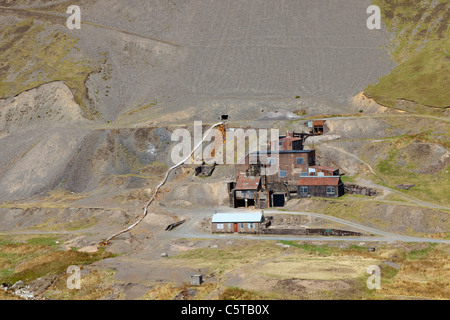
(245, 192)
(317, 126)
(196, 280)
(248, 222)
(327, 187)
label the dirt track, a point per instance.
(191, 229)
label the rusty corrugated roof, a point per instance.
(291, 138)
(318, 181)
(318, 122)
(247, 183)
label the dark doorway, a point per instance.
(240, 203)
(318, 130)
(243, 203)
(235, 227)
(278, 199)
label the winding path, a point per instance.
(106, 242)
(63, 18)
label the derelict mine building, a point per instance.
(252, 189)
(326, 187)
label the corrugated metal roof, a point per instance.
(318, 122)
(281, 151)
(237, 217)
(247, 183)
(290, 138)
(318, 181)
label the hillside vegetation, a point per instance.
(422, 50)
(32, 54)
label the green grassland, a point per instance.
(402, 162)
(428, 187)
(420, 266)
(422, 50)
(32, 258)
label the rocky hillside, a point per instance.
(92, 109)
(86, 118)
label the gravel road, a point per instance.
(191, 229)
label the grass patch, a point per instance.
(433, 188)
(421, 254)
(300, 113)
(348, 179)
(421, 48)
(170, 291)
(43, 241)
(321, 250)
(356, 247)
(30, 57)
(345, 207)
(166, 291)
(424, 273)
(37, 257)
(95, 285)
(423, 79)
(421, 266)
(403, 162)
(388, 273)
(138, 109)
(81, 224)
(233, 293)
(4, 241)
(350, 197)
(50, 263)
(154, 169)
(225, 259)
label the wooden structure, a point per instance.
(316, 126)
(248, 192)
(174, 225)
(292, 164)
(255, 189)
(313, 186)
